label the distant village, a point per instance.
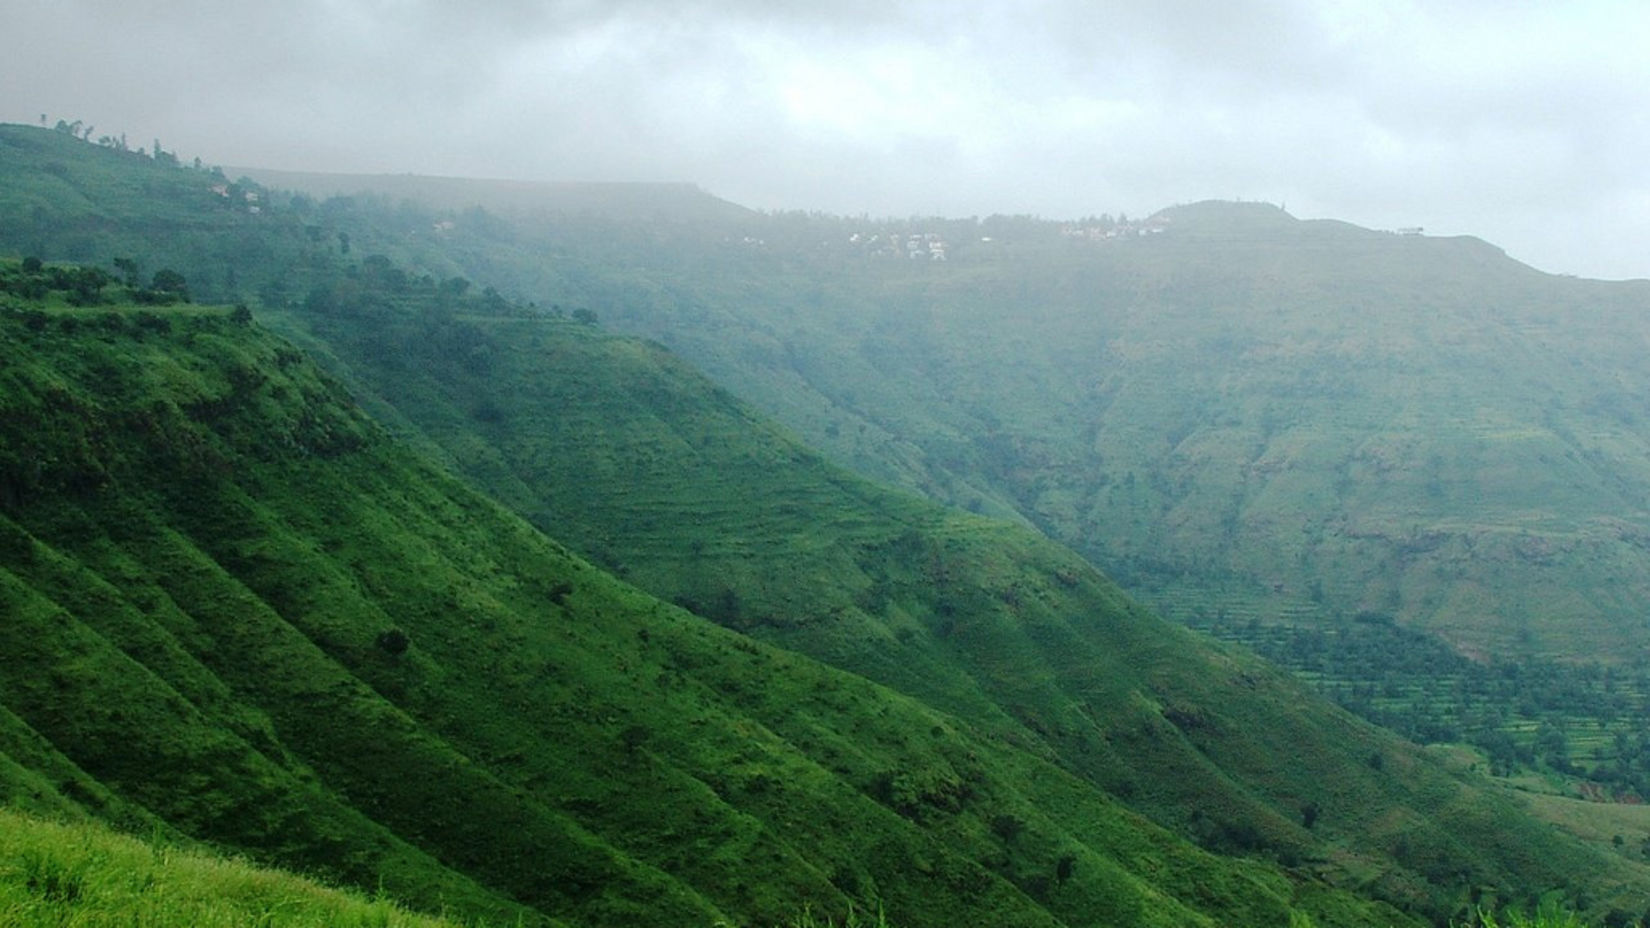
(934, 246)
(1106, 228)
(917, 246)
(233, 191)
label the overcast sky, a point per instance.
(1526, 124)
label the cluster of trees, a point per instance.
(410, 319)
(82, 130)
(32, 280)
(1582, 720)
(86, 285)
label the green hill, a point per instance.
(269, 625)
(621, 450)
(1264, 427)
(237, 608)
(1229, 410)
(1241, 409)
(658, 202)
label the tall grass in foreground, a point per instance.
(1548, 916)
(83, 876)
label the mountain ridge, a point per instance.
(633, 200)
(612, 417)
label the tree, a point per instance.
(85, 284)
(128, 269)
(170, 282)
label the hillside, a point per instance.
(1243, 413)
(638, 202)
(239, 609)
(1295, 434)
(1237, 414)
(84, 874)
(628, 455)
(1033, 747)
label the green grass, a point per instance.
(1547, 916)
(60, 875)
(80, 876)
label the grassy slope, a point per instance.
(1246, 416)
(617, 447)
(203, 542)
(1176, 708)
(83, 874)
(1246, 412)
(73, 201)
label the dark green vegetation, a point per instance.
(1588, 723)
(617, 448)
(246, 613)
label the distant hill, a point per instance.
(1232, 411)
(667, 202)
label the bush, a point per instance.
(394, 642)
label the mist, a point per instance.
(1523, 124)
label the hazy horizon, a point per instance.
(1519, 124)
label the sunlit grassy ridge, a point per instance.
(57, 876)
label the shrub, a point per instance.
(394, 642)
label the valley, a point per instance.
(483, 556)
